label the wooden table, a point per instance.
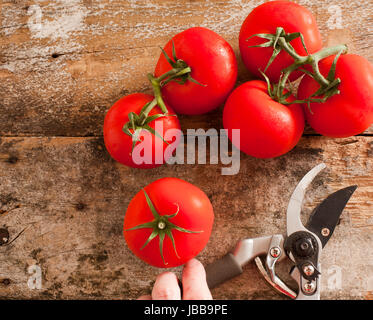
(63, 199)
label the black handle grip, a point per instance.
(222, 270)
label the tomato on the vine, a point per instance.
(214, 67)
(168, 222)
(351, 111)
(267, 128)
(120, 145)
(266, 18)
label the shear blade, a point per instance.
(293, 220)
(325, 216)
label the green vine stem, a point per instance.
(281, 41)
(179, 73)
(157, 84)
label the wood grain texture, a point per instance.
(64, 63)
(69, 198)
(62, 198)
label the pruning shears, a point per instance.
(303, 245)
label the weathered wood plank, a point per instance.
(69, 198)
(64, 63)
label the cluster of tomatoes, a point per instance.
(196, 73)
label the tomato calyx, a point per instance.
(177, 64)
(179, 73)
(137, 125)
(281, 41)
(161, 226)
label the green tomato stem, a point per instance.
(322, 54)
(157, 84)
(312, 59)
(179, 73)
(161, 225)
(280, 41)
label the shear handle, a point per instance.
(222, 270)
(231, 264)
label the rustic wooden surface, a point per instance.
(62, 198)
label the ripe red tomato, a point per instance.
(213, 65)
(185, 213)
(119, 144)
(265, 19)
(350, 112)
(267, 128)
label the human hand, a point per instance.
(195, 287)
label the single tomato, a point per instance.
(119, 144)
(267, 128)
(266, 18)
(348, 113)
(168, 222)
(213, 65)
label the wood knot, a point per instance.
(80, 206)
(5, 282)
(12, 159)
(56, 55)
(4, 236)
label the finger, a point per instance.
(194, 282)
(145, 297)
(166, 287)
